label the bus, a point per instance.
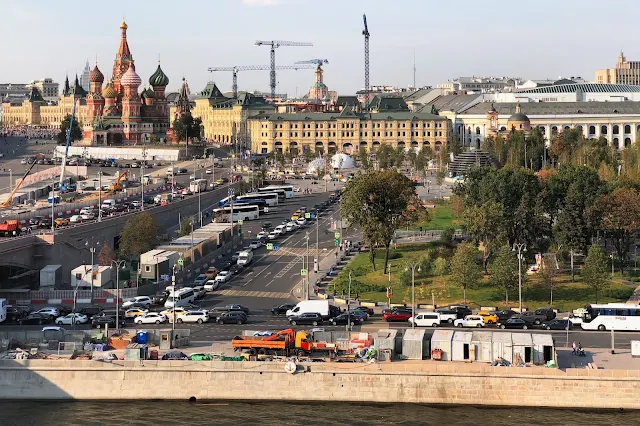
(264, 207)
(281, 193)
(611, 316)
(3, 310)
(226, 200)
(240, 212)
(288, 189)
(270, 197)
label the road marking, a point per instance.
(261, 294)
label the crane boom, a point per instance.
(235, 69)
(66, 150)
(274, 45)
(318, 62)
(7, 202)
(365, 33)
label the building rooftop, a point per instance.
(454, 103)
(556, 108)
(584, 87)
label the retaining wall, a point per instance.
(420, 382)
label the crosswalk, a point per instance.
(263, 294)
(297, 251)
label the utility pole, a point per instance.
(118, 263)
(413, 266)
(520, 249)
(308, 272)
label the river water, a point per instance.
(293, 414)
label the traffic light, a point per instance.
(337, 242)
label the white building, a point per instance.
(84, 275)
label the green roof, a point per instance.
(211, 91)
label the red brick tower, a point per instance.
(123, 59)
(131, 103)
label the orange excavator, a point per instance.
(115, 186)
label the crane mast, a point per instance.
(365, 33)
(274, 45)
(66, 149)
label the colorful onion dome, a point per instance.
(149, 93)
(159, 78)
(131, 78)
(109, 92)
(95, 76)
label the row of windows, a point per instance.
(348, 134)
(350, 125)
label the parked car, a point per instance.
(447, 315)
(178, 310)
(366, 309)
(90, 310)
(135, 312)
(159, 298)
(531, 317)
(346, 318)
(359, 314)
(50, 312)
(74, 318)
(307, 318)
(489, 317)
(397, 315)
(101, 321)
(548, 312)
(557, 324)
(470, 321)
(193, 316)
(504, 315)
(76, 218)
(151, 318)
(232, 317)
(35, 318)
(513, 323)
(461, 311)
(282, 309)
(138, 300)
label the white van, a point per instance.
(245, 257)
(180, 297)
(108, 204)
(318, 306)
(426, 319)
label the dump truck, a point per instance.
(10, 228)
(286, 343)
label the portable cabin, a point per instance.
(384, 341)
(502, 346)
(462, 350)
(543, 348)
(522, 348)
(482, 342)
(415, 344)
(441, 340)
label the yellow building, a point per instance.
(225, 119)
(386, 121)
(625, 72)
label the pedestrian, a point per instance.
(357, 296)
(573, 346)
(580, 351)
(336, 254)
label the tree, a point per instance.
(504, 270)
(106, 255)
(363, 156)
(187, 127)
(548, 278)
(440, 266)
(379, 202)
(185, 227)
(384, 154)
(139, 235)
(485, 223)
(465, 270)
(596, 270)
(76, 131)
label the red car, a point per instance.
(400, 315)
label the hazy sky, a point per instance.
(545, 39)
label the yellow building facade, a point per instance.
(34, 111)
(625, 72)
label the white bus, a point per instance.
(240, 212)
(288, 189)
(226, 200)
(3, 310)
(270, 197)
(198, 185)
(281, 193)
(611, 316)
(180, 297)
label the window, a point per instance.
(147, 268)
(78, 276)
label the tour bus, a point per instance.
(198, 185)
(180, 297)
(611, 316)
(264, 208)
(288, 189)
(226, 200)
(282, 194)
(3, 310)
(240, 212)
(270, 197)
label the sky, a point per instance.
(548, 39)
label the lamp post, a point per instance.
(92, 249)
(308, 272)
(142, 164)
(100, 196)
(413, 266)
(520, 249)
(348, 303)
(119, 264)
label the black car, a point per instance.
(235, 269)
(307, 318)
(531, 318)
(91, 310)
(504, 314)
(232, 317)
(367, 310)
(35, 221)
(461, 311)
(225, 266)
(513, 323)
(159, 298)
(343, 318)
(100, 321)
(14, 313)
(549, 313)
(237, 307)
(266, 226)
(110, 313)
(282, 309)
(34, 318)
(557, 324)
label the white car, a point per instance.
(272, 235)
(186, 191)
(302, 221)
(143, 300)
(208, 171)
(49, 312)
(223, 276)
(211, 285)
(169, 312)
(193, 316)
(86, 210)
(136, 203)
(76, 218)
(151, 318)
(290, 227)
(262, 234)
(470, 321)
(88, 216)
(199, 291)
(74, 318)
(295, 224)
(280, 230)
(254, 245)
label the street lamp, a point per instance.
(348, 303)
(142, 164)
(520, 249)
(308, 274)
(92, 249)
(119, 264)
(413, 266)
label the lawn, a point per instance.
(440, 217)
(372, 285)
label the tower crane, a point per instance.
(235, 70)
(365, 33)
(274, 45)
(319, 62)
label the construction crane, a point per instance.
(319, 63)
(274, 45)
(7, 202)
(365, 33)
(235, 70)
(66, 149)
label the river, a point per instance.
(293, 414)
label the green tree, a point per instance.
(363, 156)
(106, 255)
(596, 270)
(447, 234)
(504, 270)
(187, 127)
(465, 270)
(485, 223)
(308, 155)
(384, 155)
(379, 202)
(186, 226)
(139, 235)
(76, 131)
(440, 267)
(549, 278)
(154, 139)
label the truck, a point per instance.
(10, 228)
(319, 306)
(286, 343)
(245, 258)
